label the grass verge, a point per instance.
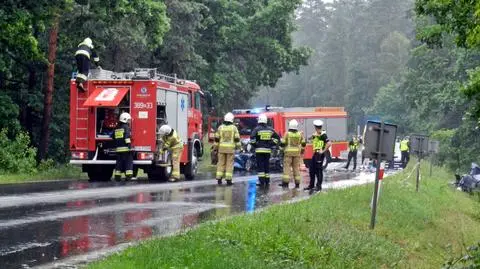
(54, 173)
(330, 230)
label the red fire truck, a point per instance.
(152, 99)
(334, 118)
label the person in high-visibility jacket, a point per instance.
(122, 137)
(320, 144)
(227, 139)
(84, 54)
(353, 146)
(405, 150)
(293, 143)
(263, 139)
(173, 143)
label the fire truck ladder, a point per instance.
(81, 129)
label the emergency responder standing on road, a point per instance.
(320, 144)
(122, 136)
(352, 152)
(294, 145)
(83, 55)
(173, 143)
(263, 139)
(405, 150)
(227, 139)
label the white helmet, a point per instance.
(124, 117)
(293, 125)
(262, 118)
(228, 117)
(164, 130)
(88, 42)
(318, 123)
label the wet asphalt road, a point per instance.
(63, 224)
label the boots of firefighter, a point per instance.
(219, 181)
(128, 177)
(297, 185)
(229, 182)
(118, 178)
(285, 185)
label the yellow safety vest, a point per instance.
(354, 147)
(228, 138)
(404, 145)
(294, 143)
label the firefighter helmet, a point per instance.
(164, 130)
(228, 117)
(318, 123)
(293, 125)
(87, 41)
(125, 117)
(262, 119)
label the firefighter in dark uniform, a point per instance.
(84, 54)
(320, 144)
(263, 139)
(352, 152)
(122, 136)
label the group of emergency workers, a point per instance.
(263, 139)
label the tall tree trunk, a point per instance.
(47, 101)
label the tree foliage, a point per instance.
(230, 47)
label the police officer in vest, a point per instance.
(173, 143)
(263, 139)
(352, 152)
(293, 143)
(83, 55)
(320, 144)
(227, 139)
(122, 137)
(405, 150)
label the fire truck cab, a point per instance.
(152, 99)
(334, 118)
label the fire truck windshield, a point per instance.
(246, 125)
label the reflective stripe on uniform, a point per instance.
(82, 52)
(122, 149)
(118, 172)
(129, 172)
(263, 150)
(228, 176)
(127, 140)
(96, 59)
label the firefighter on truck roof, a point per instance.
(320, 145)
(263, 139)
(122, 137)
(83, 55)
(227, 139)
(294, 144)
(173, 143)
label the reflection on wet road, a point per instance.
(52, 223)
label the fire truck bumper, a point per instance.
(98, 162)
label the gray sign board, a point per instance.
(433, 146)
(372, 136)
(419, 144)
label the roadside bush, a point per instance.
(469, 260)
(16, 155)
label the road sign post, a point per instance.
(420, 148)
(433, 148)
(379, 144)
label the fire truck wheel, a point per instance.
(192, 168)
(159, 173)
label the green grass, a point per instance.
(55, 173)
(330, 230)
